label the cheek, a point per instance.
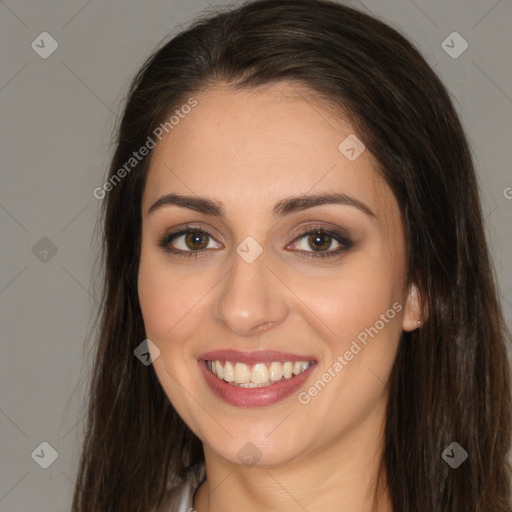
(167, 299)
(174, 306)
(360, 308)
(364, 328)
(354, 298)
(158, 304)
(161, 299)
(168, 315)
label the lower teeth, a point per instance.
(252, 384)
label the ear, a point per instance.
(413, 310)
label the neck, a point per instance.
(341, 476)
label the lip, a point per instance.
(253, 397)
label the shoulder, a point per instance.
(180, 493)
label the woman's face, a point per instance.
(247, 288)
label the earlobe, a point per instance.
(413, 317)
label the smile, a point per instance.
(259, 375)
(255, 379)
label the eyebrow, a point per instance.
(284, 207)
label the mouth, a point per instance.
(256, 378)
(259, 375)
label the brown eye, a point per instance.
(320, 242)
(189, 242)
(196, 240)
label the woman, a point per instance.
(293, 238)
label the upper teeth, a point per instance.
(259, 375)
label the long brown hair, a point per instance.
(451, 378)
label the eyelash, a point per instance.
(345, 243)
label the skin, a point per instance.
(249, 150)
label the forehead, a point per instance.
(248, 146)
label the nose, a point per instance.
(250, 299)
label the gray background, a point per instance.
(57, 117)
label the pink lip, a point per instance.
(252, 358)
(253, 397)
